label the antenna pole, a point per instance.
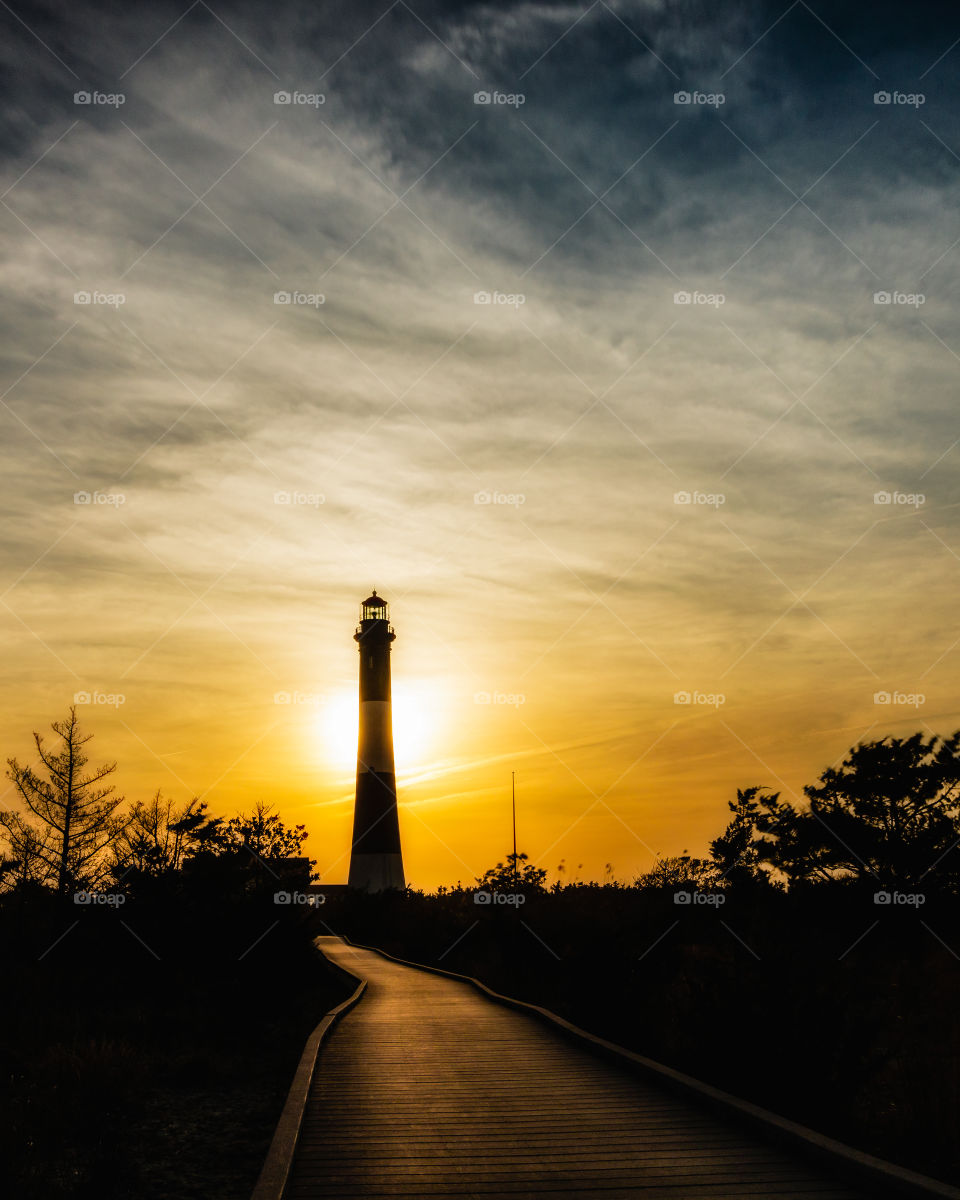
(513, 790)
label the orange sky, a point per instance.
(609, 767)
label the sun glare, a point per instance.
(415, 713)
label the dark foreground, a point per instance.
(148, 1048)
(148, 1054)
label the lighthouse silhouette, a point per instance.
(376, 862)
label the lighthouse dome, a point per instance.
(374, 608)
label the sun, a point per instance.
(415, 717)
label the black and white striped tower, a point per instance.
(376, 862)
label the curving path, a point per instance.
(428, 1089)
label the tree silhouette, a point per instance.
(516, 874)
(889, 815)
(263, 833)
(31, 852)
(78, 818)
(246, 855)
(680, 872)
(736, 853)
(160, 835)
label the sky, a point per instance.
(619, 353)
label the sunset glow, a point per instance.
(417, 728)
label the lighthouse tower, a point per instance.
(376, 862)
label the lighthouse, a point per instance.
(376, 862)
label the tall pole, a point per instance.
(513, 791)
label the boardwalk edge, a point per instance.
(858, 1167)
(275, 1173)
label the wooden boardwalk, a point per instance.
(428, 1089)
